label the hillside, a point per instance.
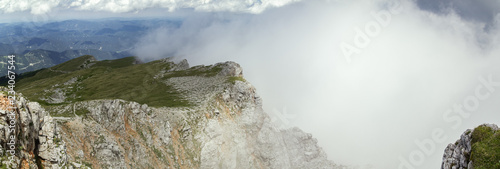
(84, 78)
(160, 114)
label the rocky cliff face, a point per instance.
(226, 128)
(459, 154)
(29, 136)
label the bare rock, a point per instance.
(230, 69)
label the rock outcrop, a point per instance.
(28, 135)
(458, 155)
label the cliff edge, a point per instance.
(171, 116)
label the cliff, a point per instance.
(169, 116)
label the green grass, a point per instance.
(110, 79)
(69, 66)
(118, 63)
(81, 112)
(157, 152)
(142, 135)
(117, 79)
(57, 140)
(206, 71)
(485, 148)
(133, 83)
(61, 114)
(233, 79)
(481, 133)
(32, 76)
(87, 164)
(73, 64)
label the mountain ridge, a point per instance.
(221, 125)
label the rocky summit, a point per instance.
(477, 148)
(86, 113)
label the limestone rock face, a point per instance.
(50, 147)
(246, 138)
(230, 69)
(457, 155)
(116, 134)
(35, 133)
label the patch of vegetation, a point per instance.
(101, 139)
(118, 79)
(233, 79)
(142, 135)
(206, 71)
(485, 148)
(118, 63)
(61, 114)
(81, 112)
(87, 164)
(481, 133)
(157, 152)
(32, 76)
(133, 83)
(2, 159)
(57, 140)
(73, 64)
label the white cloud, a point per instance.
(34, 6)
(370, 111)
(118, 6)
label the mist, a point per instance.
(367, 109)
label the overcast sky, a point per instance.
(367, 102)
(475, 10)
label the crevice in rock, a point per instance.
(38, 159)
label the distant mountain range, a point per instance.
(41, 45)
(32, 60)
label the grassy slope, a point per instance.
(73, 64)
(485, 148)
(116, 79)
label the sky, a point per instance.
(380, 84)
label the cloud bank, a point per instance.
(475, 10)
(394, 92)
(38, 7)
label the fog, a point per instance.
(367, 109)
